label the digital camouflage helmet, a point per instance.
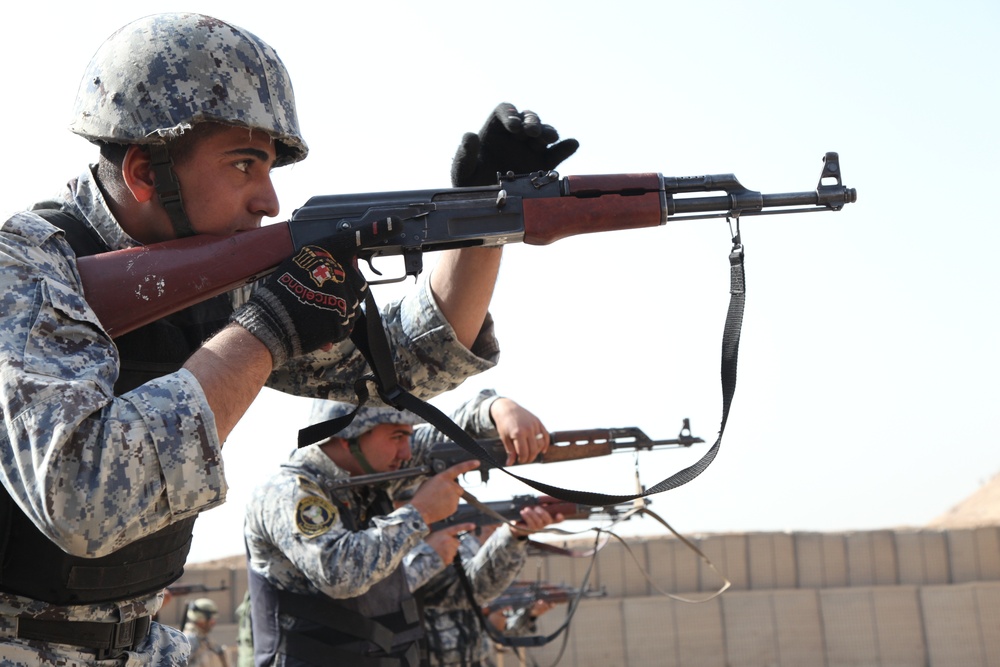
(202, 609)
(368, 417)
(158, 76)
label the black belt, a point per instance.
(108, 639)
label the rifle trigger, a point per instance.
(372, 266)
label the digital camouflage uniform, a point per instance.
(204, 652)
(292, 551)
(455, 635)
(244, 633)
(66, 434)
(200, 618)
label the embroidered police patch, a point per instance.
(314, 516)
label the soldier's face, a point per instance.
(225, 180)
(387, 446)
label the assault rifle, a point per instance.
(187, 589)
(522, 594)
(499, 511)
(133, 287)
(563, 446)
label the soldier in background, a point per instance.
(327, 581)
(199, 621)
(455, 636)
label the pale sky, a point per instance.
(866, 381)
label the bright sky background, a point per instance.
(867, 378)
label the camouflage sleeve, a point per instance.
(474, 415)
(421, 564)
(297, 540)
(496, 564)
(490, 569)
(93, 472)
(427, 357)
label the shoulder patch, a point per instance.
(314, 515)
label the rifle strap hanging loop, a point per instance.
(735, 234)
(370, 338)
(519, 641)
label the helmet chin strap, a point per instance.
(168, 189)
(355, 448)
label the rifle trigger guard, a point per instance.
(371, 266)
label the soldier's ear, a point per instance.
(336, 448)
(137, 174)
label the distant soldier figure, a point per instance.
(199, 621)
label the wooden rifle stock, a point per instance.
(131, 288)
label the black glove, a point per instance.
(509, 141)
(311, 299)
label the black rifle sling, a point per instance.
(520, 640)
(370, 338)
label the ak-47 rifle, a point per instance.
(563, 446)
(522, 594)
(187, 589)
(130, 288)
(498, 511)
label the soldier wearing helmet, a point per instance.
(200, 619)
(325, 561)
(113, 446)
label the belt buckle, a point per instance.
(124, 636)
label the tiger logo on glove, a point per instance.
(321, 268)
(320, 264)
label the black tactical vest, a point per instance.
(30, 564)
(381, 628)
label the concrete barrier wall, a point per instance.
(765, 561)
(871, 626)
(878, 598)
